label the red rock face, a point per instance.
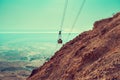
(93, 55)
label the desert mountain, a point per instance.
(92, 55)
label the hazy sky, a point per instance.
(45, 15)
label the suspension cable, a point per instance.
(62, 22)
(76, 18)
(64, 13)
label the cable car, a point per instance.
(59, 36)
(59, 41)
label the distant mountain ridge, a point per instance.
(93, 55)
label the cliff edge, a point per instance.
(92, 55)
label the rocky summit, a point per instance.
(92, 55)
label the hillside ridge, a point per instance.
(92, 55)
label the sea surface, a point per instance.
(26, 51)
(29, 46)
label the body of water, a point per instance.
(20, 53)
(29, 46)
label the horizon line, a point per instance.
(33, 32)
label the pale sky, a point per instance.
(46, 15)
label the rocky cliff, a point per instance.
(93, 55)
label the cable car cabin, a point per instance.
(59, 41)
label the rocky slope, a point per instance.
(93, 55)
